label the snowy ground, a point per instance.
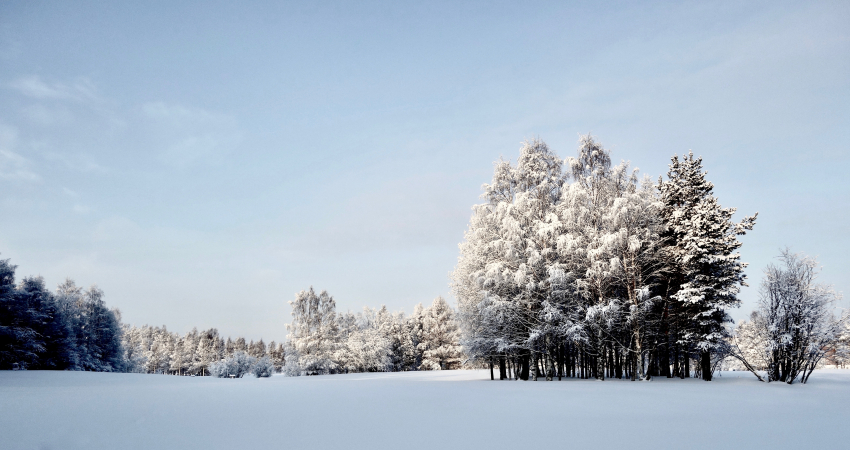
(454, 409)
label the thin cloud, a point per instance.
(78, 162)
(13, 166)
(187, 135)
(33, 86)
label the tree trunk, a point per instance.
(523, 371)
(705, 364)
(491, 369)
(639, 355)
(502, 373)
(533, 365)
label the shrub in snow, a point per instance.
(291, 367)
(794, 327)
(263, 367)
(236, 365)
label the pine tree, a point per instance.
(19, 343)
(703, 243)
(102, 334)
(440, 338)
(258, 349)
(277, 356)
(70, 300)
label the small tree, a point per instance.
(794, 326)
(441, 349)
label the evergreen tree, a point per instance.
(440, 336)
(51, 328)
(102, 334)
(703, 243)
(19, 342)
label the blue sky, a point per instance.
(202, 162)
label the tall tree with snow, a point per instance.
(703, 243)
(440, 336)
(312, 333)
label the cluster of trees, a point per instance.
(794, 328)
(156, 350)
(577, 268)
(70, 329)
(321, 341)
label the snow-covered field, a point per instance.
(452, 409)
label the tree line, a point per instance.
(69, 329)
(157, 350)
(72, 329)
(321, 341)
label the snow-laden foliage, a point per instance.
(262, 367)
(239, 364)
(322, 341)
(706, 271)
(439, 341)
(313, 332)
(69, 330)
(234, 366)
(794, 327)
(577, 267)
(157, 350)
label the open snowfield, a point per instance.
(452, 409)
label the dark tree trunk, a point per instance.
(620, 365)
(705, 364)
(491, 369)
(560, 361)
(502, 372)
(523, 363)
(677, 370)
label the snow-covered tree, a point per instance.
(312, 333)
(440, 345)
(257, 349)
(277, 355)
(703, 243)
(365, 348)
(794, 326)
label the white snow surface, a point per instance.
(412, 410)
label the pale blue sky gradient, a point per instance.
(202, 162)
